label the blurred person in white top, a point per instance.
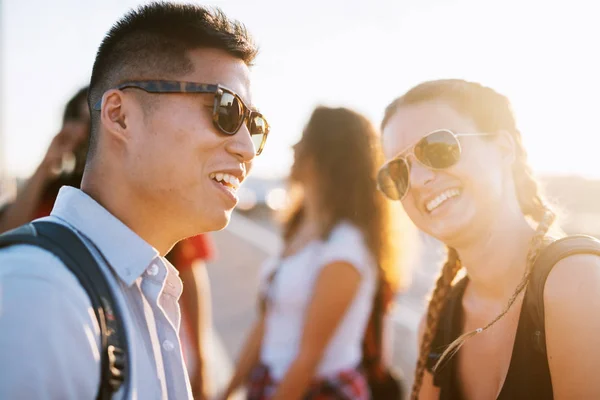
(317, 294)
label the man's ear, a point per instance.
(113, 114)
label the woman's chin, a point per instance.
(454, 229)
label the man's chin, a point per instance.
(214, 221)
(225, 223)
(221, 221)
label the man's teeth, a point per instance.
(442, 197)
(226, 179)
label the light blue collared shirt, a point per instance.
(49, 336)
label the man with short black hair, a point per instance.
(173, 133)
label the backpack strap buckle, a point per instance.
(116, 366)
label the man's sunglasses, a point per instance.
(229, 110)
(439, 149)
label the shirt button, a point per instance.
(168, 345)
(152, 270)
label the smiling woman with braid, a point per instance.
(523, 322)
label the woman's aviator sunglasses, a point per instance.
(439, 149)
(229, 110)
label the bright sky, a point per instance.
(542, 54)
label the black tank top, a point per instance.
(528, 374)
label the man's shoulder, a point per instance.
(49, 336)
(26, 266)
(34, 282)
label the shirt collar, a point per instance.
(127, 253)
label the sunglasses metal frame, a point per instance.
(161, 86)
(404, 154)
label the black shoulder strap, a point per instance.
(446, 332)
(68, 247)
(552, 254)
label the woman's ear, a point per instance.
(506, 145)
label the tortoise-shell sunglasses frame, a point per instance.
(161, 86)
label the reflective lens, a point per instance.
(258, 131)
(439, 149)
(230, 113)
(393, 179)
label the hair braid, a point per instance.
(436, 305)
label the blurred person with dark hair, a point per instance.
(62, 165)
(173, 133)
(318, 293)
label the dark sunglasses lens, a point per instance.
(230, 113)
(393, 179)
(258, 132)
(438, 150)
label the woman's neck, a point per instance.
(495, 263)
(310, 226)
(314, 215)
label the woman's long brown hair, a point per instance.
(344, 148)
(491, 112)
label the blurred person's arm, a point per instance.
(572, 324)
(334, 291)
(28, 200)
(196, 302)
(249, 357)
(23, 209)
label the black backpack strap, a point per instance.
(68, 247)
(448, 330)
(548, 258)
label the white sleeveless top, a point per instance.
(290, 295)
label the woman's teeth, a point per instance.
(441, 198)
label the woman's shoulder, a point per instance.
(346, 243)
(574, 279)
(570, 265)
(346, 237)
(572, 322)
(346, 231)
